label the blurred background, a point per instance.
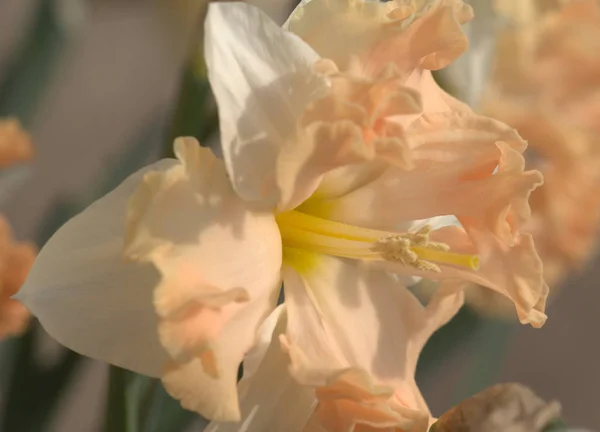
(100, 85)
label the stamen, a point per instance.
(302, 231)
(416, 250)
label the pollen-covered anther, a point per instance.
(421, 238)
(397, 248)
(416, 250)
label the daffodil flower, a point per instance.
(333, 182)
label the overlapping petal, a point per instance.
(80, 273)
(219, 266)
(347, 359)
(366, 36)
(270, 399)
(262, 78)
(480, 179)
(351, 401)
(456, 158)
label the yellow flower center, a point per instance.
(314, 234)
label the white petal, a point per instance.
(270, 399)
(88, 297)
(262, 78)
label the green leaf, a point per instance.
(116, 417)
(128, 401)
(167, 415)
(557, 425)
(196, 112)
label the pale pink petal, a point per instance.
(219, 264)
(88, 297)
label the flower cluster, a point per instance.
(347, 174)
(546, 84)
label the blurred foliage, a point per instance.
(196, 113)
(485, 339)
(35, 388)
(32, 65)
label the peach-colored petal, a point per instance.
(366, 36)
(270, 399)
(451, 180)
(80, 273)
(352, 402)
(15, 143)
(470, 167)
(324, 297)
(348, 132)
(431, 98)
(513, 271)
(219, 264)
